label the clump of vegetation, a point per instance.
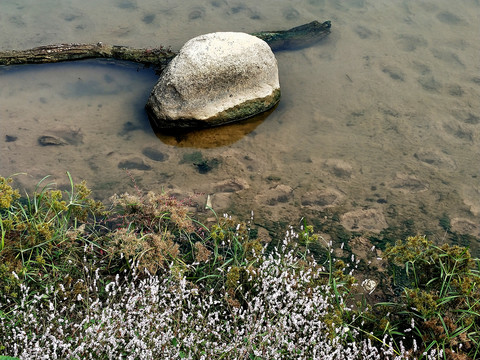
(144, 280)
(440, 302)
(39, 233)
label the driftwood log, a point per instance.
(300, 36)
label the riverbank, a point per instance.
(143, 279)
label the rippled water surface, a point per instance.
(378, 129)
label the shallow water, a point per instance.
(378, 126)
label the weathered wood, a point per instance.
(298, 36)
(69, 52)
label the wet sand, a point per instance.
(378, 125)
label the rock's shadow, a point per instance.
(211, 137)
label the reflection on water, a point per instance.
(213, 137)
(377, 128)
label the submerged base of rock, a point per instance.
(216, 79)
(240, 112)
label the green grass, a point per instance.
(63, 250)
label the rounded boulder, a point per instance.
(215, 79)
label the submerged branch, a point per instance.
(299, 36)
(70, 52)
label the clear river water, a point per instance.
(377, 131)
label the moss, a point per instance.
(246, 110)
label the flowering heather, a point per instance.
(162, 318)
(159, 285)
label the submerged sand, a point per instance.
(378, 125)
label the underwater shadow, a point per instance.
(208, 138)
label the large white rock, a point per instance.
(215, 79)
